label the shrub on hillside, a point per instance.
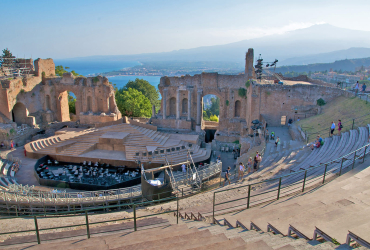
(321, 102)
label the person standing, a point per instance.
(249, 164)
(267, 134)
(11, 145)
(340, 126)
(363, 88)
(183, 169)
(227, 176)
(255, 163)
(241, 171)
(277, 141)
(332, 128)
(357, 86)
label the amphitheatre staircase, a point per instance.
(159, 233)
(279, 210)
(334, 208)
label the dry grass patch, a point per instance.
(340, 108)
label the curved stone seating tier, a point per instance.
(156, 233)
(35, 202)
(336, 208)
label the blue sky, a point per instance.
(65, 29)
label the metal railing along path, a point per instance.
(85, 213)
(276, 188)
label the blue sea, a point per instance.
(86, 68)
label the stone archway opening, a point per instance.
(211, 115)
(67, 106)
(211, 108)
(19, 114)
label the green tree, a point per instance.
(71, 103)
(205, 116)
(148, 90)
(215, 106)
(59, 70)
(213, 118)
(6, 59)
(132, 102)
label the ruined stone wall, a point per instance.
(275, 101)
(44, 98)
(95, 100)
(224, 87)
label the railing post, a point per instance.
(304, 180)
(323, 180)
(37, 231)
(363, 158)
(177, 208)
(353, 123)
(354, 157)
(249, 196)
(87, 225)
(134, 217)
(213, 211)
(341, 165)
(278, 194)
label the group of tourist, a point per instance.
(242, 169)
(332, 127)
(356, 87)
(318, 143)
(4, 146)
(15, 167)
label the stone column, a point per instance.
(153, 110)
(199, 110)
(189, 104)
(164, 106)
(178, 104)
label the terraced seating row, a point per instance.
(6, 174)
(159, 234)
(283, 163)
(330, 212)
(297, 161)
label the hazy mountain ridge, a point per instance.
(287, 47)
(344, 65)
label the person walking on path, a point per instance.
(249, 165)
(241, 171)
(277, 141)
(332, 128)
(227, 176)
(357, 86)
(255, 164)
(11, 145)
(340, 126)
(267, 135)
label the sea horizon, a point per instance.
(87, 68)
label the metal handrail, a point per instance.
(87, 223)
(345, 161)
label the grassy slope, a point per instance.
(341, 108)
